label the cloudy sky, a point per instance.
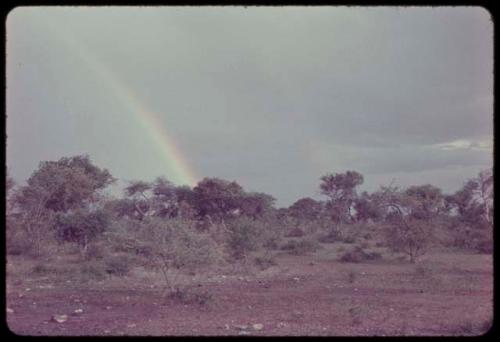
(271, 97)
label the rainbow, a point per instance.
(178, 167)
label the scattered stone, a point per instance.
(59, 318)
(131, 325)
(281, 325)
(21, 295)
(226, 326)
(27, 289)
(9, 310)
(77, 312)
(296, 278)
(258, 326)
(107, 331)
(244, 333)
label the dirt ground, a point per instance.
(448, 294)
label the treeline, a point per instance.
(179, 227)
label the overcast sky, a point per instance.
(273, 98)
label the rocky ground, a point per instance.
(447, 294)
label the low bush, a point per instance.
(117, 265)
(92, 271)
(358, 254)
(295, 232)
(300, 247)
(265, 262)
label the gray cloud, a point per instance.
(273, 97)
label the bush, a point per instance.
(245, 236)
(265, 262)
(117, 265)
(358, 254)
(295, 232)
(185, 296)
(333, 235)
(300, 247)
(92, 271)
(177, 247)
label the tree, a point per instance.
(62, 186)
(306, 209)
(471, 210)
(216, 199)
(81, 226)
(341, 190)
(136, 192)
(255, 204)
(368, 207)
(410, 214)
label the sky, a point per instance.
(271, 97)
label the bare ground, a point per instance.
(302, 295)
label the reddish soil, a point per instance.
(300, 296)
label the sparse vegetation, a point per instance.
(174, 236)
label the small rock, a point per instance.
(21, 295)
(243, 333)
(226, 326)
(76, 300)
(131, 325)
(258, 326)
(59, 318)
(108, 307)
(249, 307)
(107, 331)
(77, 312)
(296, 278)
(281, 324)
(27, 289)
(9, 310)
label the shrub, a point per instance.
(81, 226)
(177, 247)
(117, 265)
(300, 247)
(185, 296)
(295, 232)
(351, 277)
(265, 262)
(245, 235)
(349, 239)
(358, 254)
(92, 271)
(333, 235)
